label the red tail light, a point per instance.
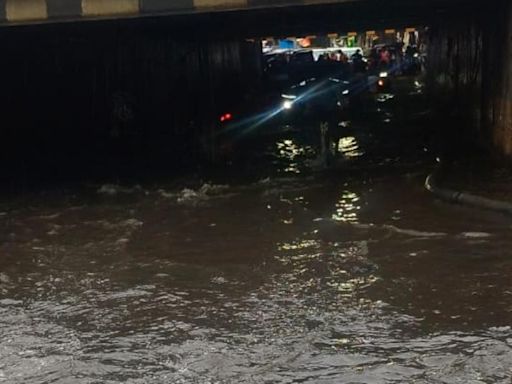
(226, 117)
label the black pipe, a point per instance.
(464, 198)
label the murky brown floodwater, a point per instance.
(345, 277)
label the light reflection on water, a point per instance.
(292, 152)
(347, 207)
(418, 88)
(349, 147)
(384, 97)
(302, 244)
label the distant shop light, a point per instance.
(352, 34)
(305, 42)
(371, 33)
(410, 29)
(390, 31)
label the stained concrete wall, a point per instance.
(470, 75)
(497, 70)
(455, 76)
(81, 92)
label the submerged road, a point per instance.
(278, 274)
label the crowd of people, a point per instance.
(292, 66)
(395, 56)
(379, 58)
(356, 62)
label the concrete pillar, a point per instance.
(455, 78)
(470, 75)
(500, 115)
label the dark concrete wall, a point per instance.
(82, 92)
(455, 73)
(497, 69)
(470, 74)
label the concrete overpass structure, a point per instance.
(24, 11)
(36, 11)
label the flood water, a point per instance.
(279, 274)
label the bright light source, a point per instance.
(346, 92)
(288, 104)
(383, 74)
(289, 97)
(381, 83)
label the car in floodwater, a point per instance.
(313, 97)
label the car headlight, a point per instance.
(383, 74)
(289, 97)
(288, 104)
(345, 92)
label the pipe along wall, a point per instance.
(94, 95)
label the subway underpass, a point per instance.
(264, 251)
